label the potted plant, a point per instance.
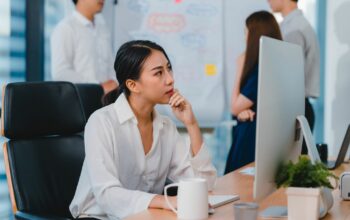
(305, 182)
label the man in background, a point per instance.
(296, 29)
(81, 48)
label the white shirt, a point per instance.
(296, 29)
(117, 178)
(81, 50)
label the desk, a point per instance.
(236, 183)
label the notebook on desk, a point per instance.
(219, 200)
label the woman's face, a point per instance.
(156, 83)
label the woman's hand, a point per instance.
(173, 202)
(159, 202)
(246, 115)
(182, 109)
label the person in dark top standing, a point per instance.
(244, 95)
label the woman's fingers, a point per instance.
(174, 96)
(246, 115)
(242, 116)
(179, 101)
(251, 115)
(176, 99)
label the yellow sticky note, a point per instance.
(210, 69)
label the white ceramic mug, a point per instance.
(192, 198)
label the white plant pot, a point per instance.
(303, 203)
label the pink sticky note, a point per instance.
(178, 1)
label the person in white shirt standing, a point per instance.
(296, 29)
(81, 48)
(130, 148)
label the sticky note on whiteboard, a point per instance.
(210, 69)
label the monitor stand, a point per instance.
(326, 193)
(326, 202)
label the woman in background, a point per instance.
(244, 95)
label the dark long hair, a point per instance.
(128, 65)
(260, 23)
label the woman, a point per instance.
(130, 148)
(244, 95)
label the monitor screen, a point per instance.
(281, 98)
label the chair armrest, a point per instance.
(27, 216)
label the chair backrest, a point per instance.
(91, 97)
(45, 153)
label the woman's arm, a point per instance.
(183, 163)
(183, 111)
(238, 76)
(246, 115)
(239, 102)
(159, 202)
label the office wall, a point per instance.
(337, 82)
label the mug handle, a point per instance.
(326, 201)
(166, 196)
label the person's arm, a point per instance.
(159, 202)
(311, 62)
(238, 76)
(191, 159)
(296, 37)
(111, 73)
(111, 196)
(184, 164)
(183, 111)
(111, 82)
(246, 115)
(239, 102)
(62, 55)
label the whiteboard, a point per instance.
(126, 19)
(191, 32)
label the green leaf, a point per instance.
(303, 174)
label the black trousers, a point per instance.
(310, 117)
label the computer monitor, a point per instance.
(281, 98)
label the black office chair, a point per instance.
(91, 97)
(45, 153)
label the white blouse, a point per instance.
(117, 178)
